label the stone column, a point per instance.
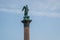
(26, 21)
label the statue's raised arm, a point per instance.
(25, 9)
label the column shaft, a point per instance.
(26, 33)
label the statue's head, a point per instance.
(26, 5)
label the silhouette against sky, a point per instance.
(45, 15)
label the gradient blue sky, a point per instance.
(45, 15)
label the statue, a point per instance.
(25, 9)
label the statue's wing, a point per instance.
(23, 8)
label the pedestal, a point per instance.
(26, 21)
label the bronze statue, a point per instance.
(25, 9)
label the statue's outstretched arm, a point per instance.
(23, 8)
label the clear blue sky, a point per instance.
(45, 15)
